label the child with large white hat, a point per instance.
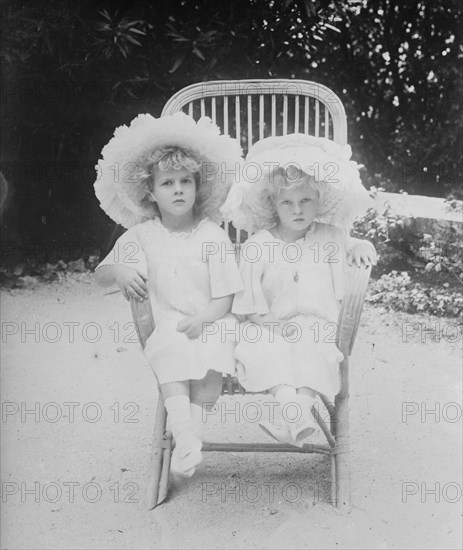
(165, 180)
(299, 194)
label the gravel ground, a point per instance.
(78, 405)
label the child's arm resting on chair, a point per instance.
(131, 281)
(360, 251)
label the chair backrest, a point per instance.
(253, 109)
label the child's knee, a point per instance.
(170, 389)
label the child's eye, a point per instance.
(187, 180)
(286, 203)
(306, 199)
(166, 183)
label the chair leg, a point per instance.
(342, 454)
(333, 488)
(334, 484)
(165, 472)
(160, 456)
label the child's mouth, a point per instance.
(179, 201)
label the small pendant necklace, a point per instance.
(296, 274)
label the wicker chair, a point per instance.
(251, 110)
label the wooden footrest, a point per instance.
(230, 385)
(264, 448)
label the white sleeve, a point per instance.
(128, 251)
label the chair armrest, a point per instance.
(351, 307)
(143, 318)
(348, 319)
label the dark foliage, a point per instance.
(72, 71)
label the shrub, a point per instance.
(397, 291)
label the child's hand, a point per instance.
(283, 328)
(191, 326)
(363, 252)
(131, 282)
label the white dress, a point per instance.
(185, 271)
(300, 284)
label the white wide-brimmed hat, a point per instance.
(343, 197)
(122, 191)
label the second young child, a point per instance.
(300, 200)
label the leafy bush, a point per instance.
(397, 247)
(397, 291)
(30, 273)
(414, 273)
(442, 256)
(385, 231)
(75, 70)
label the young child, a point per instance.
(301, 198)
(165, 180)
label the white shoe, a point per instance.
(303, 429)
(277, 430)
(186, 454)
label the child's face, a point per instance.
(174, 191)
(297, 207)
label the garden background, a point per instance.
(73, 71)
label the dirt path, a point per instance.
(77, 416)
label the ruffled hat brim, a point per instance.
(343, 195)
(119, 189)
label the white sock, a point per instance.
(187, 452)
(284, 395)
(304, 426)
(178, 414)
(196, 412)
(306, 402)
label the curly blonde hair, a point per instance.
(167, 158)
(318, 162)
(285, 179)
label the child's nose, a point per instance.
(178, 187)
(297, 209)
